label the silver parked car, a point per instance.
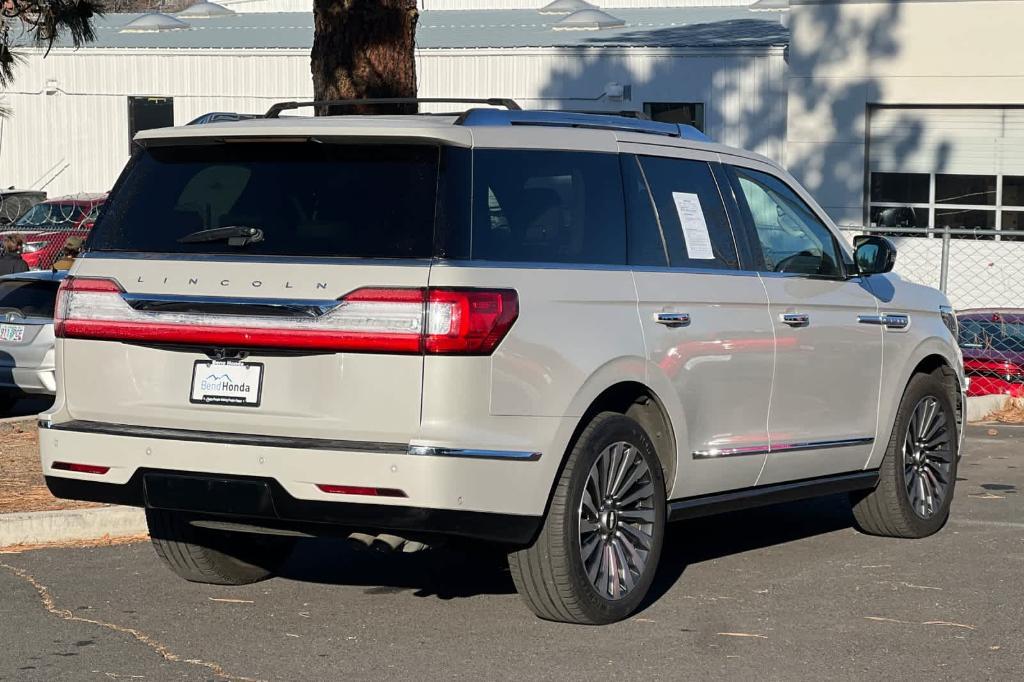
(26, 335)
(556, 331)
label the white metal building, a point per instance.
(902, 112)
(74, 111)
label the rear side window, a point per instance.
(305, 198)
(547, 207)
(691, 213)
(27, 299)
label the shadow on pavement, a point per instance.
(27, 407)
(456, 572)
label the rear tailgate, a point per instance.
(316, 393)
(241, 250)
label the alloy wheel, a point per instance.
(616, 519)
(927, 457)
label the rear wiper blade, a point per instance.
(235, 235)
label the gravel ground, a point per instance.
(22, 488)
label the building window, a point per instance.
(957, 201)
(688, 113)
(145, 113)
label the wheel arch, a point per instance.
(621, 388)
(930, 356)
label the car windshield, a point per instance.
(27, 299)
(998, 335)
(304, 199)
(51, 216)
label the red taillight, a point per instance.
(80, 468)
(360, 490)
(468, 321)
(434, 321)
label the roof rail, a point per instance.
(276, 109)
(571, 119)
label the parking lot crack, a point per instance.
(48, 602)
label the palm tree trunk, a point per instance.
(363, 49)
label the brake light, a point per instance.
(435, 321)
(80, 468)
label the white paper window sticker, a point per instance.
(695, 228)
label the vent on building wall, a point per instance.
(154, 23)
(588, 20)
(565, 7)
(206, 10)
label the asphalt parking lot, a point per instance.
(790, 592)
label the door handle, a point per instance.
(795, 319)
(673, 319)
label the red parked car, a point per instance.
(48, 225)
(993, 345)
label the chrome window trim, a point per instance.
(771, 448)
(254, 258)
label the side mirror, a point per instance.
(873, 254)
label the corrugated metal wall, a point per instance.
(605, 4)
(307, 5)
(69, 128)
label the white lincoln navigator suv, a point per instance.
(553, 331)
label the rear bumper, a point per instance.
(29, 380)
(211, 496)
(491, 494)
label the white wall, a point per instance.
(845, 56)
(307, 5)
(76, 139)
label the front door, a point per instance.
(824, 407)
(705, 320)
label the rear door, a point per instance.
(300, 317)
(705, 320)
(824, 407)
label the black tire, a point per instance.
(551, 575)
(215, 557)
(887, 510)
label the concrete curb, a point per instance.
(35, 528)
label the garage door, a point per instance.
(946, 167)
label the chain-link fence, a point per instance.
(982, 273)
(46, 233)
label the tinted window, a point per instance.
(965, 189)
(691, 213)
(308, 199)
(28, 299)
(542, 206)
(910, 188)
(792, 238)
(646, 244)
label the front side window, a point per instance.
(547, 207)
(792, 238)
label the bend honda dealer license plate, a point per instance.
(14, 333)
(227, 383)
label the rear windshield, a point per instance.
(305, 198)
(27, 299)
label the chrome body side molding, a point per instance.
(767, 449)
